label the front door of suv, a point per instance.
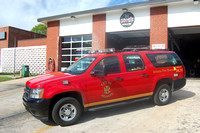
(106, 89)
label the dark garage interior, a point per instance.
(130, 39)
(186, 43)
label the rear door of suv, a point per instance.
(137, 77)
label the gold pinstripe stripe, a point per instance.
(118, 99)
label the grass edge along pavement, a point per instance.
(11, 76)
(3, 73)
(5, 79)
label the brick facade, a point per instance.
(4, 43)
(19, 34)
(158, 35)
(32, 42)
(53, 43)
(99, 40)
(159, 26)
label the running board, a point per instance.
(105, 106)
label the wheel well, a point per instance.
(74, 94)
(167, 81)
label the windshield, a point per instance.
(81, 65)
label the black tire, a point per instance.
(66, 111)
(162, 95)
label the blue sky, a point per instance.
(24, 13)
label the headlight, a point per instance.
(36, 93)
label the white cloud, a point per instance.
(24, 13)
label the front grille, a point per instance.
(27, 92)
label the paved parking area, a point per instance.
(180, 116)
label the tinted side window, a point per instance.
(164, 60)
(111, 64)
(133, 62)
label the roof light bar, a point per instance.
(109, 50)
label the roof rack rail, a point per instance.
(112, 50)
(142, 49)
(106, 51)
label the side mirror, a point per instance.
(99, 71)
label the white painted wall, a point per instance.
(142, 20)
(181, 15)
(34, 57)
(78, 26)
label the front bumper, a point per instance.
(37, 107)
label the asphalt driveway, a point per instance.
(181, 115)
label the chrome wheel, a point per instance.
(164, 95)
(67, 112)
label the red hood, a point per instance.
(40, 81)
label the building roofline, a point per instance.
(11, 27)
(33, 39)
(105, 9)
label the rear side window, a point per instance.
(164, 60)
(133, 62)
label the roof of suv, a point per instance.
(130, 52)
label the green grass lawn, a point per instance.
(5, 79)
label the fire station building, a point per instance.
(156, 24)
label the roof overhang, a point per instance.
(104, 10)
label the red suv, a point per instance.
(104, 78)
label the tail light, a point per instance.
(184, 71)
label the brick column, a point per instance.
(53, 43)
(159, 26)
(99, 40)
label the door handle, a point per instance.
(119, 79)
(145, 75)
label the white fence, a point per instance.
(34, 57)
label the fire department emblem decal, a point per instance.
(106, 88)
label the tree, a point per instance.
(40, 28)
